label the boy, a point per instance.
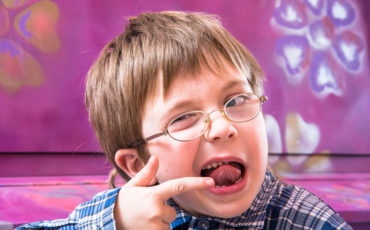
(176, 88)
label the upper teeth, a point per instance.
(213, 165)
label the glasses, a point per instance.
(191, 125)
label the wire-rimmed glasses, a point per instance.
(191, 125)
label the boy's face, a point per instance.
(243, 146)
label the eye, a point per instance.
(185, 121)
(182, 117)
(237, 101)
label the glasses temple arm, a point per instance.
(145, 140)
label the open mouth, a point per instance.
(224, 173)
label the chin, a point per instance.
(236, 211)
(228, 209)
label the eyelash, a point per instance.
(232, 95)
(228, 97)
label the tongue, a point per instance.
(226, 174)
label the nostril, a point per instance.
(220, 129)
(232, 132)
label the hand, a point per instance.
(141, 207)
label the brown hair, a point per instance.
(154, 48)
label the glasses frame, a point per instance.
(165, 132)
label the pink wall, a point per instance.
(315, 59)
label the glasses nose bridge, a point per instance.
(222, 111)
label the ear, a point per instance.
(128, 160)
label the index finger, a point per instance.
(177, 186)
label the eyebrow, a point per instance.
(235, 83)
(186, 102)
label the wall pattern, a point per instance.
(314, 53)
(322, 46)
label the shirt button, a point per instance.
(203, 225)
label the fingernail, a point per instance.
(210, 182)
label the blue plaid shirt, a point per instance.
(277, 206)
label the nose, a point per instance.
(219, 127)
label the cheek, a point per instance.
(256, 141)
(262, 141)
(176, 159)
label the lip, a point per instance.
(232, 188)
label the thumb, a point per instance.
(146, 175)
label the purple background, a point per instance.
(46, 48)
(51, 116)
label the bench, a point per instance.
(41, 186)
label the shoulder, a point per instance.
(295, 207)
(100, 201)
(93, 214)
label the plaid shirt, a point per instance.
(277, 206)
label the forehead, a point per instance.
(203, 80)
(218, 68)
(207, 79)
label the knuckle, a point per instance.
(155, 213)
(179, 187)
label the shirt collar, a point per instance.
(253, 217)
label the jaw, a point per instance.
(224, 202)
(215, 203)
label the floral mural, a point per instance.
(36, 25)
(314, 53)
(321, 47)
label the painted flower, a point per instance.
(317, 36)
(36, 24)
(300, 137)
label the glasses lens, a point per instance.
(187, 126)
(243, 107)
